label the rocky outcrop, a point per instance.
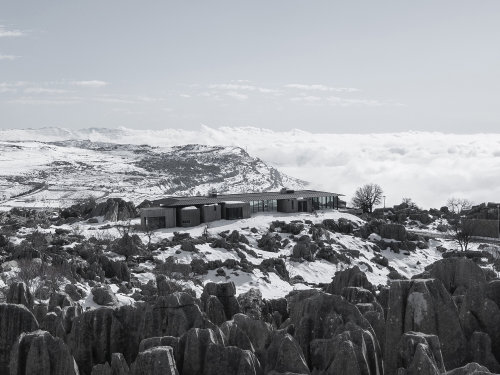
(457, 274)
(420, 354)
(19, 294)
(469, 369)
(157, 360)
(59, 299)
(333, 335)
(371, 309)
(195, 343)
(284, 355)
(104, 296)
(251, 303)
(230, 360)
(304, 249)
(423, 306)
(225, 293)
(393, 231)
(96, 334)
(115, 209)
(118, 366)
(349, 277)
(269, 242)
(480, 312)
(14, 320)
(38, 353)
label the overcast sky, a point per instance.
(322, 66)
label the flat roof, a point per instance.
(242, 197)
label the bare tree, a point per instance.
(367, 196)
(457, 205)
(463, 231)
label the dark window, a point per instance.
(233, 213)
(292, 204)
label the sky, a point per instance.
(320, 66)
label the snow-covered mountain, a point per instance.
(57, 174)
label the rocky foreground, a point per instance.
(447, 320)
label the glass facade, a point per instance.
(323, 203)
(263, 206)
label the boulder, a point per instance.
(276, 265)
(333, 335)
(349, 277)
(469, 369)
(304, 249)
(423, 306)
(19, 294)
(458, 274)
(220, 359)
(157, 360)
(38, 353)
(251, 303)
(73, 292)
(420, 354)
(104, 296)
(196, 342)
(115, 209)
(173, 342)
(393, 231)
(59, 299)
(284, 355)
(225, 292)
(480, 311)
(480, 351)
(14, 320)
(269, 242)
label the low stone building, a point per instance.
(191, 211)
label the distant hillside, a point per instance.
(56, 174)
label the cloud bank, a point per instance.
(428, 167)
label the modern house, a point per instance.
(191, 211)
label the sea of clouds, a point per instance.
(425, 166)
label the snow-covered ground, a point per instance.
(55, 175)
(271, 285)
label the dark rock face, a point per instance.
(334, 336)
(103, 296)
(276, 265)
(59, 299)
(230, 360)
(114, 268)
(251, 303)
(225, 292)
(457, 274)
(19, 294)
(305, 249)
(96, 334)
(350, 277)
(284, 355)
(115, 209)
(420, 354)
(393, 231)
(270, 243)
(38, 353)
(196, 342)
(157, 360)
(480, 351)
(14, 320)
(469, 369)
(423, 306)
(480, 311)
